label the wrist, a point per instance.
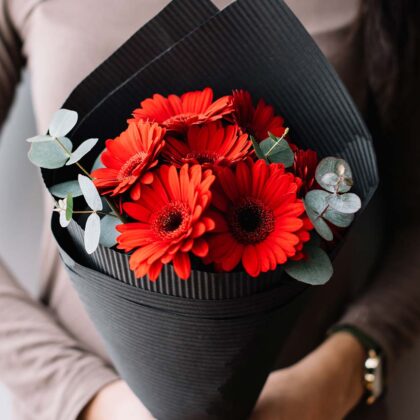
(373, 369)
(335, 371)
(349, 361)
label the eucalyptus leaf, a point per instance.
(98, 163)
(279, 142)
(62, 123)
(320, 225)
(314, 270)
(81, 151)
(61, 190)
(277, 150)
(341, 220)
(345, 203)
(109, 232)
(336, 166)
(317, 200)
(90, 193)
(257, 148)
(330, 179)
(63, 220)
(92, 233)
(50, 155)
(69, 207)
(40, 139)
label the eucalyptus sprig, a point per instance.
(275, 149)
(333, 204)
(55, 150)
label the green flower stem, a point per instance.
(84, 171)
(321, 215)
(286, 132)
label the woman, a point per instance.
(50, 355)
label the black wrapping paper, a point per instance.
(202, 349)
(187, 358)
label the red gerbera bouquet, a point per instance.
(205, 216)
(193, 180)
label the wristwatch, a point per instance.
(373, 375)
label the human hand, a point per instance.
(115, 401)
(326, 384)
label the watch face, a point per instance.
(373, 376)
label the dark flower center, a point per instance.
(131, 164)
(203, 157)
(172, 221)
(250, 221)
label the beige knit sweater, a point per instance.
(50, 355)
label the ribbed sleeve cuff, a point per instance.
(361, 318)
(89, 384)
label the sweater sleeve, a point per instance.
(49, 373)
(389, 310)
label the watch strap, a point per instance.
(373, 366)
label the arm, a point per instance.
(43, 366)
(388, 311)
(326, 384)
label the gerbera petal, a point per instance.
(182, 265)
(154, 270)
(200, 248)
(250, 261)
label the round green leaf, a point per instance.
(345, 203)
(50, 154)
(62, 123)
(98, 163)
(277, 150)
(90, 193)
(317, 200)
(320, 225)
(40, 139)
(63, 220)
(257, 148)
(109, 232)
(315, 270)
(339, 167)
(331, 179)
(92, 233)
(61, 190)
(342, 220)
(81, 151)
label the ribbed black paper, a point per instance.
(154, 38)
(200, 285)
(187, 359)
(202, 349)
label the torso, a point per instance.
(65, 40)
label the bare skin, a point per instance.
(115, 401)
(326, 384)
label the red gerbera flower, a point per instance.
(304, 236)
(305, 164)
(129, 158)
(211, 144)
(257, 217)
(257, 121)
(170, 221)
(177, 113)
